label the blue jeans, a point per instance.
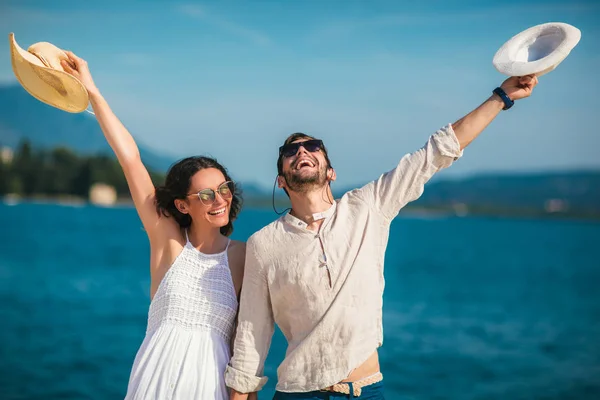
(371, 392)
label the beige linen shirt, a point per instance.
(325, 289)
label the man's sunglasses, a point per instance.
(208, 196)
(288, 150)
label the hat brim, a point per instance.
(51, 86)
(537, 50)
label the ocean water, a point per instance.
(474, 308)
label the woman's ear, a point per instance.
(181, 206)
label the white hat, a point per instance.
(39, 71)
(537, 50)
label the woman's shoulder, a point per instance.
(237, 257)
(237, 243)
(237, 247)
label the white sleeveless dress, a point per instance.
(190, 323)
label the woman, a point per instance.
(196, 270)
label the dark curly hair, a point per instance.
(177, 185)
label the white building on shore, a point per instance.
(103, 195)
(6, 155)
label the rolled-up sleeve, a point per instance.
(405, 183)
(255, 327)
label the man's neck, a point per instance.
(306, 205)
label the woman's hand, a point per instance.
(79, 69)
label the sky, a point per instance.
(373, 79)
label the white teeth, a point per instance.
(217, 212)
(305, 163)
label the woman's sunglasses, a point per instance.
(288, 150)
(208, 196)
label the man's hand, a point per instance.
(78, 67)
(519, 87)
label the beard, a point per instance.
(301, 182)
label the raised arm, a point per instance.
(124, 147)
(471, 125)
(405, 183)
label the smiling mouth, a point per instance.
(304, 163)
(220, 211)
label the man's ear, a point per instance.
(280, 182)
(331, 176)
(181, 206)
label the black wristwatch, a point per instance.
(508, 103)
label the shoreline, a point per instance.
(447, 211)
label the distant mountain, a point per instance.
(22, 116)
(577, 189)
(571, 192)
(574, 193)
(252, 190)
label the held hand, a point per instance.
(79, 71)
(235, 395)
(519, 87)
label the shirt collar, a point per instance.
(297, 222)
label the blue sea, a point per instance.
(474, 307)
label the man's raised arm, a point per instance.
(405, 183)
(472, 124)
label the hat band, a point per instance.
(42, 59)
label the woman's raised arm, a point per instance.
(127, 152)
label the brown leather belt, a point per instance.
(344, 387)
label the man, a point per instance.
(318, 271)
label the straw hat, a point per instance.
(537, 50)
(39, 71)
